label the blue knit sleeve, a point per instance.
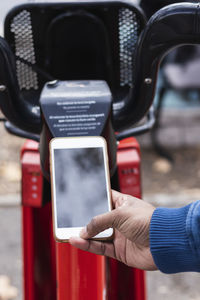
(175, 238)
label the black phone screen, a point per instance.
(80, 185)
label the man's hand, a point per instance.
(130, 219)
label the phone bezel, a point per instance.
(63, 234)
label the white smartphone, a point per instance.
(80, 184)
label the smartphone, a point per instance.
(80, 184)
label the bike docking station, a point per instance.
(84, 108)
(82, 68)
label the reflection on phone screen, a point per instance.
(80, 185)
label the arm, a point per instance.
(175, 238)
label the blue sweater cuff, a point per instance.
(170, 240)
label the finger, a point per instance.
(96, 247)
(99, 224)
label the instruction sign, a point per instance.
(76, 108)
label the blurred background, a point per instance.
(170, 174)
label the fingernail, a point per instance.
(83, 233)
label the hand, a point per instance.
(130, 219)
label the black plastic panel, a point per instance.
(61, 38)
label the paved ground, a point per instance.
(10, 248)
(178, 286)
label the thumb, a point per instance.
(99, 224)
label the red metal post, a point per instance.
(80, 275)
(66, 273)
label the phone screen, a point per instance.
(80, 185)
